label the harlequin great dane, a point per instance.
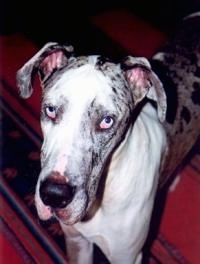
(112, 133)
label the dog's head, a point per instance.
(87, 108)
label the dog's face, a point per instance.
(86, 110)
(82, 120)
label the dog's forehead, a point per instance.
(87, 76)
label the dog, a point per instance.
(113, 133)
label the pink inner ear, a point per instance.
(137, 76)
(51, 62)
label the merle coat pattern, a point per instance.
(112, 133)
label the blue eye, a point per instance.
(50, 111)
(106, 123)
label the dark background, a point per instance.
(67, 21)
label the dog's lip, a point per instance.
(65, 216)
(46, 213)
(70, 214)
(61, 214)
(74, 212)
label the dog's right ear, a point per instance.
(145, 83)
(50, 58)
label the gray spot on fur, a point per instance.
(196, 93)
(185, 114)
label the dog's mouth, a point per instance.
(69, 215)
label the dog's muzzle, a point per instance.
(56, 195)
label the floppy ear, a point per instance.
(50, 58)
(145, 83)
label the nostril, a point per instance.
(56, 195)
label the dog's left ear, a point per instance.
(51, 57)
(145, 83)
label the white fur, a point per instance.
(196, 14)
(120, 226)
(83, 85)
(121, 230)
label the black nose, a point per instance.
(56, 195)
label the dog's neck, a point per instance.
(148, 138)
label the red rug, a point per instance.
(23, 238)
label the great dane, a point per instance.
(113, 132)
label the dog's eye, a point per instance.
(50, 111)
(106, 123)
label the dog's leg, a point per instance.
(139, 259)
(79, 249)
(126, 258)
